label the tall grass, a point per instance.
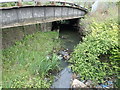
(25, 64)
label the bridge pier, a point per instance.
(44, 27)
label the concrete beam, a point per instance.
(27, 15)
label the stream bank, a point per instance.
(25, 64)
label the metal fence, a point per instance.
(42, 1)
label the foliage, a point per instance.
(115, 58)
(28, 3)
(25, 64)
(7, 4)
(118, 3)
(115, 63)
(104, 37)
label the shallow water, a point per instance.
(69, 37)
(63, 79)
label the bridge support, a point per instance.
(74, 23)
(11, 35)
(44, 27)
(19, 3)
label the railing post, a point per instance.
(64, 3)
(38, 4)
(53, 2)
(19, 3)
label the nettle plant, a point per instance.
(85, 57)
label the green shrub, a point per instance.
(115, 63)
(115, 59)
(103, 37)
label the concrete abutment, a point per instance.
(11, 35)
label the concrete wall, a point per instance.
(11, 35)
(28, 15)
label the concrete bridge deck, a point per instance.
(28, 15)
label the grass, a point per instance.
(25, 64)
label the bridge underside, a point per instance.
(27, 15)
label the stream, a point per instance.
(69, 37)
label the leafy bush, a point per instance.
(115, 63)
(25, 64)
(115, 58)
(104, 37)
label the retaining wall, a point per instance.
(13, 34)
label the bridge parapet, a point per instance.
(27, 15)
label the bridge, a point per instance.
(21, 20)
(28, 15)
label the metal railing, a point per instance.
(43, 2)
(63, 2)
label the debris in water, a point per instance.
(64, 53)
(60, 57)
(104, 86)
(66, 56)
(63, 37)
(98, 86)
(110, 84)
(89, 83)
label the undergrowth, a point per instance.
(25, 64)
(102, 39)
